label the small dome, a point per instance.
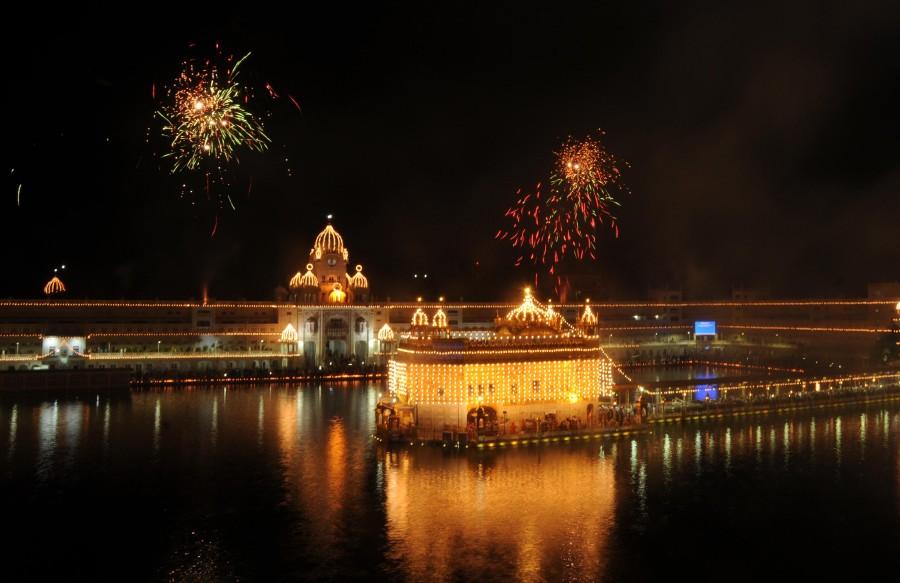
(289, 334)
(337, 295)
(308, 279)
(420, 318)
(386, 334)
(440, 319)
(530, 312)
(588, 317)
(329, 241)
(358, 280)
(54, 286)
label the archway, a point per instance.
(482, 418)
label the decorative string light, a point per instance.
(54, 286)
(307, 279)
(460, 305)
(329, 241)
(420, 318)
(358, 280)
(337, 295)
(439, 320)
(386, 334)
(289, 334)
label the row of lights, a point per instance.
(499, 383)
(400, 305)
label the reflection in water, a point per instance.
(157, 418)
(667, 458)
(214, 423)
(48, 416)
(527, 514)
(838, 437)
(728, 450)
(13, 426)
(286, 482)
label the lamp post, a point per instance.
(17, 349)
(158, 346)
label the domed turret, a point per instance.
(530, 316)
(54, 286)
(588, 320)
(439, 320)
(420, 318)
(358, 280)
(289, 334)
(329, 241)
(307, 279)
(327, 279)
(337, 295)
(386, 334)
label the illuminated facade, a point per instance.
(533, 365)
(330, 317)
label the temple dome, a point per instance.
(386, 334)
(329, 241)
(289, 334)
(419, 318)
(588, 317)
(307, 279)
(439, 320)
(358, 280)
(54, 286)
(337, 295)
(530, 312)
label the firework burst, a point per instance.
(205, 116)
(561, 220)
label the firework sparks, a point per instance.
(205, 117)
(561, 220)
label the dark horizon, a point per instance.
(762, 148)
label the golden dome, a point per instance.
(307, 279)
(337, 295)
(329, 241)
(358, 280)
(531, 312)
(386, 334)
(440, 319)
(588, 317)
(289, 334)
(420, 318)
(54, 286)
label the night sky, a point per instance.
(763, 144)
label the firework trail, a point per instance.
(205, 116)
(560, 220)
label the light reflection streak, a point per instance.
(157, 419)
(667, 459)
(13, 427)
(48, 419)
(515, 513)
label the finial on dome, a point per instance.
(329, 217)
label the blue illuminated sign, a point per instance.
(705, 328)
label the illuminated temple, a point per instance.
(533, 367)
(327, 316)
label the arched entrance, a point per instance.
(482, 418)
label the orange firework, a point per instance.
(562, 221)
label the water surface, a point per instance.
(284, 482)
